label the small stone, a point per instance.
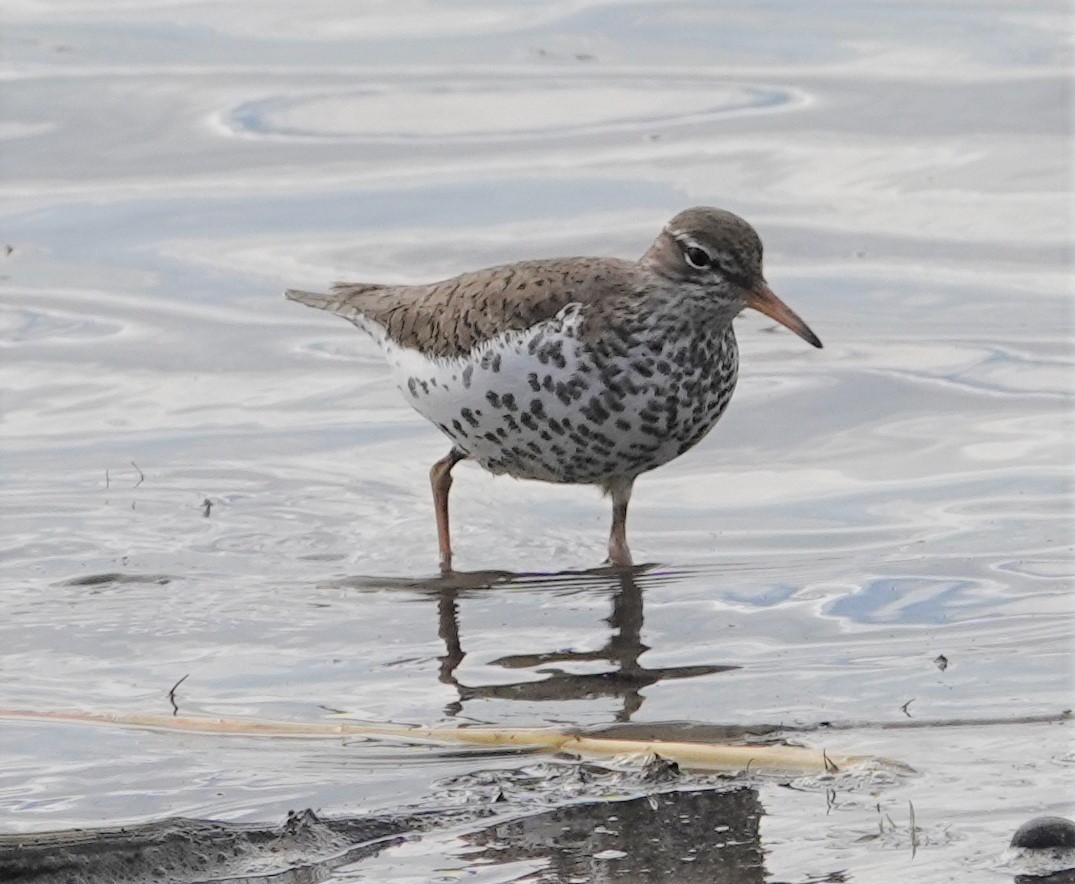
(1045, 832)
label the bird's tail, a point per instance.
(339, 300)
(312, 299)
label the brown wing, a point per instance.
(450, 318)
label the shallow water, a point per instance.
(169, 168)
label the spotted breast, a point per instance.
(547, 403)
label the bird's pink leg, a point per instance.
(440, 477)
(618, 552)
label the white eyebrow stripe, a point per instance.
(687, 240)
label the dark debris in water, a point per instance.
(113, 577)
(171, 694)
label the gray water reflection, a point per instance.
(623, 682)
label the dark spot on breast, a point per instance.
(613, 401)
(467, 373)
(556, 353)
(622, 424)
(595, 412)
(494, 399)
(532, 379)
(468, 416)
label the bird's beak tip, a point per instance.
(762, 299)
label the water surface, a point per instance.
(901, 495)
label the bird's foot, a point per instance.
(619, 556)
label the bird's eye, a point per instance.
(698, 258)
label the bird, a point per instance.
(580, 371)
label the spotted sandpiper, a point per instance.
(587, 371)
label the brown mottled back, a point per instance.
(450, 318)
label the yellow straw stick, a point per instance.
(688, 755)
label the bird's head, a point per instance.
(719, 253)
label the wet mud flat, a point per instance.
(703, 835)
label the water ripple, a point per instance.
(476, 110)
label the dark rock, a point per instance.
(1045, 832)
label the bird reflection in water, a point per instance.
(625, 680)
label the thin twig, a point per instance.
(905, 705)
(207, 506)
(108, 479)
(914, 831)
(171, 694)
(141, 475)
(830, 765)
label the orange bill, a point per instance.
(762, 299)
